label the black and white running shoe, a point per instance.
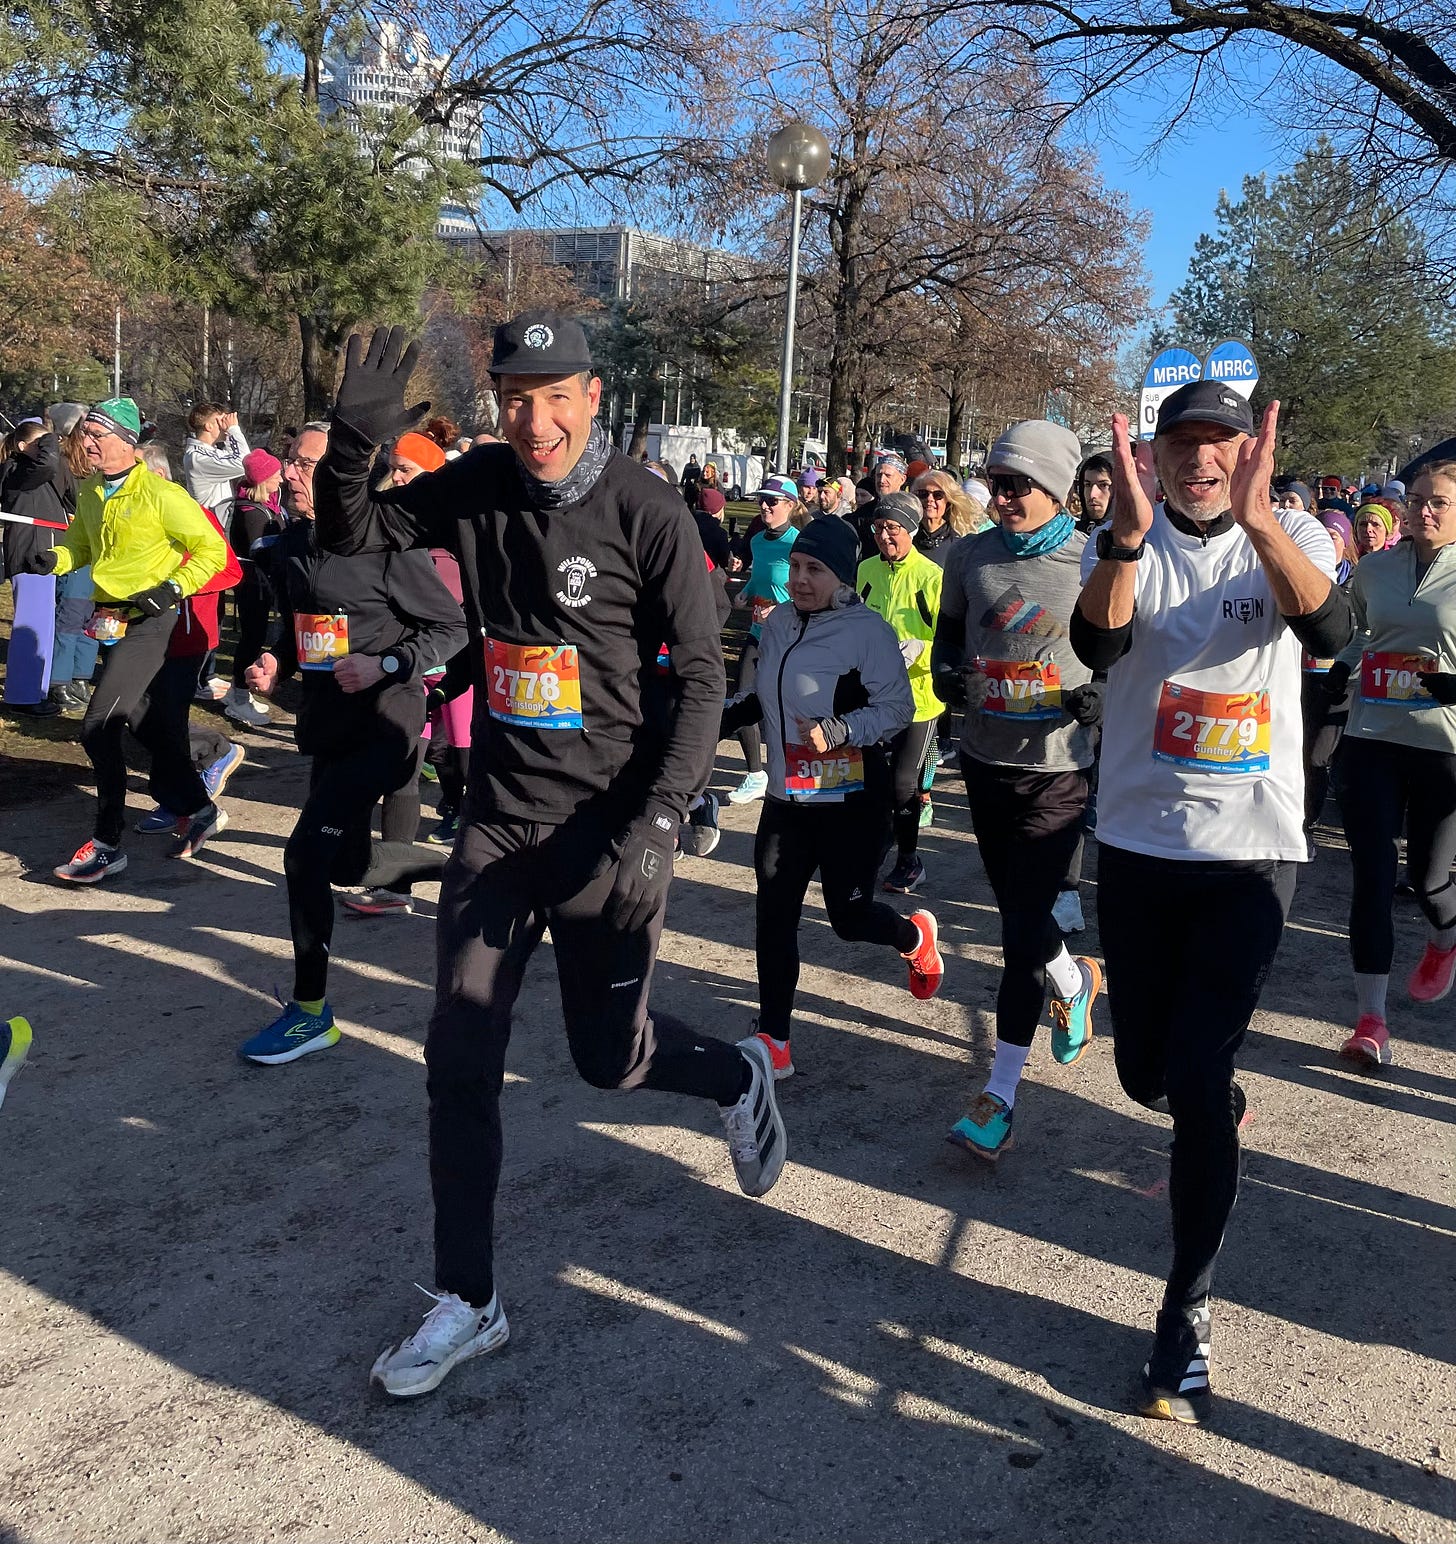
(1175, 1379)
(756, 1135)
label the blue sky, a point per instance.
(1179, 187)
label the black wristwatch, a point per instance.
(391, 664)
(1107, 548)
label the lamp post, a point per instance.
(798, 157)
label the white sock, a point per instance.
(1370, 993)
(1006, 1071)
(1065, 974)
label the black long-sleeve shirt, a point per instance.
(395, 603)
(613, 576)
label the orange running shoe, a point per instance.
(1431, 980)
(927, 968)
(778, 1053)
(1370, 1043)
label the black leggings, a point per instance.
(1188, 946)
(505, 883)
(1384, 787)
(1027, 825)
(908, 751)
(122, 698)
(749, 739)
(330, 845)
(844, 843)
(252, 603)
(1324, 723)
(399, 816)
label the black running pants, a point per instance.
(507, 881)
(1188, 946)
(908, 751)
(130, 666)
(844, 843)
(1385, 788)
(749, 738)
(1028, 825)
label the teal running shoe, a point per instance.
(292, 1034)
(14, 1048)
(1072, 1016)
(985, 1129)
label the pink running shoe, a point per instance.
(1431, 980)
(1370, 1043)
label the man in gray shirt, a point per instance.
(1001, 650)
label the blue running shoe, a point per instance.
(159, 821)
(292, 1034)
(214, 778)
(985, 1129)
(14, 1047)
(1072, 1016)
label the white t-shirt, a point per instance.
(1201, 732)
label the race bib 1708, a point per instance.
(1212, 731)
(1395, 679)
(1023, 689)
(811, 774)
(533, 685)
(322, 638)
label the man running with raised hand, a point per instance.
(577, 564)
(1197, 610)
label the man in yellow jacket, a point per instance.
(149, 546)
(903, 585)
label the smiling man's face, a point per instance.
(1195, 463)
(547, 421)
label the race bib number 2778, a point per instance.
(533, 686)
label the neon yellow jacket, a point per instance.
(147, 531)
(907, 595)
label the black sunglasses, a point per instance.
(1012, 484)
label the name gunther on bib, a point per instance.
(533, 685)
(1212, 731)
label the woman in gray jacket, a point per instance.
(831, 689)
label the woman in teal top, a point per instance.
(767, 587)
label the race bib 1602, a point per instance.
(1212, 731)
(322, 638)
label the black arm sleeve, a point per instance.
(1099, 648)
(1327, 629)
(35, 466)
(436, 626)
(350, 517)
(740, 716)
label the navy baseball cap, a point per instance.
(540, 342)
(1206, 402)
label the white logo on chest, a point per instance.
(578, 571)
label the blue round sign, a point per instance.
(1232, 364)
(1173, 368)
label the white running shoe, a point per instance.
(213, 689)
(376, 901)
(754, 786)
(453, 1332)
(243, 707)
(1067, 912)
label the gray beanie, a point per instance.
(903, 508)
(64, 416)
(1045, 452)
(833, 542)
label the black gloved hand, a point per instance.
(40, 562)
(1084, 702)
(950, 686)
(152, 603)
(1441, 684)
(644, 870)
(1336, 681)
(371, 394)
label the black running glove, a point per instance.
(1441, 684)
(1337, 680)
(371, 394)
(161, 597)
(40, 562)
(1084, 703)
(644, 870)
(949, 684)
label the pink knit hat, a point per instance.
(259, 465)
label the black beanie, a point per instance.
(832, 540)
